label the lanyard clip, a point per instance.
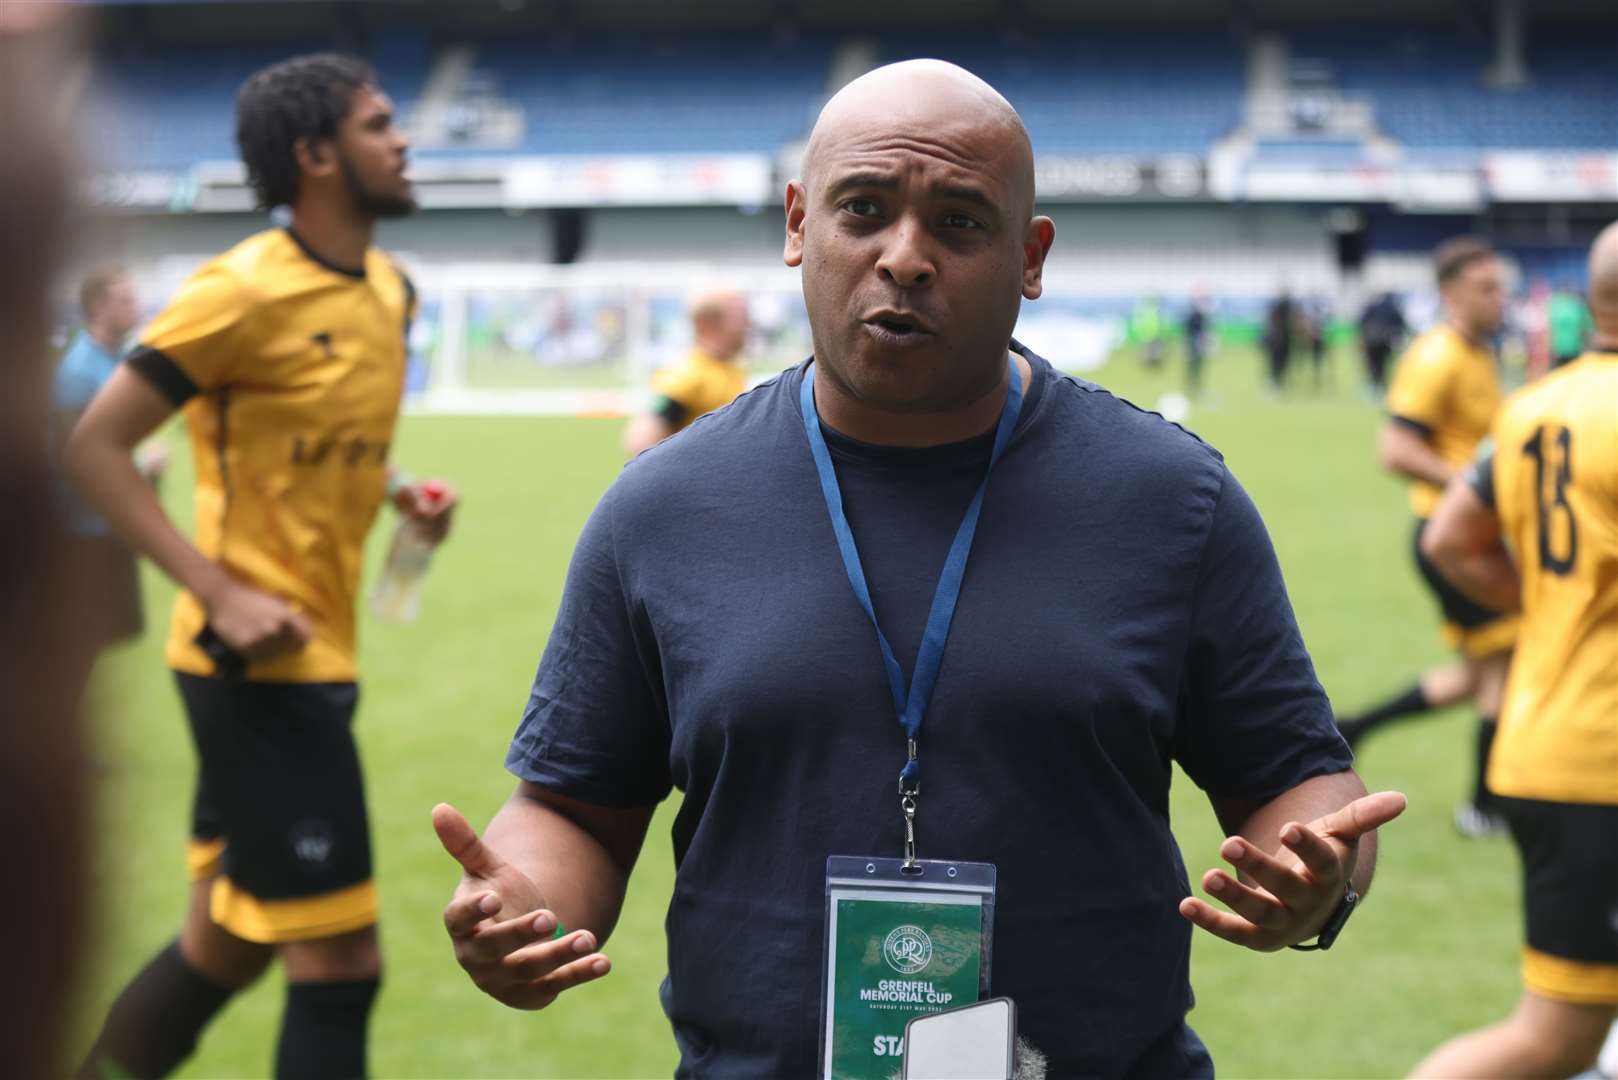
(908, 805)
(910, 775)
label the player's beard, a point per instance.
(373, 204)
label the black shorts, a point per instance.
(279, 818)
(1570, 897)
(1470, 626)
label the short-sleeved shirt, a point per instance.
(1552, 477)
(1447, 389)
(695, 385)
(1569, 323)
(1122, 609)
(80, 374)
(290, 371)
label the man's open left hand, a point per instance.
(1287, 897)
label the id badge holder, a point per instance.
(898, 944)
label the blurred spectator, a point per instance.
(1382, 327)
(1569, 325)
(1146, 329)
(1198, 322)
(1280, 328)
(1314, 316)
(1535, 320)
(707, 378)
(107, 300)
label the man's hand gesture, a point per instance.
(1289, 896)
(502, 933)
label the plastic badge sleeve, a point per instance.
(898, 945)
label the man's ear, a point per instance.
(1036, 244)
(797, 208)
(315, 158)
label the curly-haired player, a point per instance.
(287, 354)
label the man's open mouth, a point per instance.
(897, 331)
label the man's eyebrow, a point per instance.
(884, 181)
(963, 193)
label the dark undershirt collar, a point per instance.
(316, 257)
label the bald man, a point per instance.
(706, 378)
(921, 554)
(1534, 527)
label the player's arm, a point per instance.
(1463, 540)
(100, 463)
(645, 430)
(1295, 855)
(545, 861)
(1405, 448)
(1418, 402)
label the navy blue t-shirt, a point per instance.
(1122, 608)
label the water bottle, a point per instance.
(397, 596)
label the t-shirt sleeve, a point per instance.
(193, 345)
(679, 383)
(596, 726)
(73, 386)
(1418, 396)
(1254, 720)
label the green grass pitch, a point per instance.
(1433, 951)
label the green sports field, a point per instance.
(1432, 952)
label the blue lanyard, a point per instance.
(910, 704)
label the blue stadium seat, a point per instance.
(1104, 92)
(168, 109)
(1429, 89)
(651, 94)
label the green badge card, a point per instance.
(899, 943)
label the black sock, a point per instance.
(1406, 703)
(1482, 797)
(323, 1030)
(154, 1024)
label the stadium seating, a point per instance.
(644, 94)
(171, 108)
(1091, 92)
(1429, 89)
(1104, 92)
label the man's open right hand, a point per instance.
(255, 624)
(503, 935)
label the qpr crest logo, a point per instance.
(908, 949)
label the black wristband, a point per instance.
(1334, 923)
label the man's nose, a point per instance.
(906, 260)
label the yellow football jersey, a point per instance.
(1555, 489)
(290, 371)
(1447, 388)
(699, 384)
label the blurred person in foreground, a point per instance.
(1534, 525)
(1445, 392)
(287, 354)
(1110, 620)
(107, 301)
(44, 651)
(708, 377)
